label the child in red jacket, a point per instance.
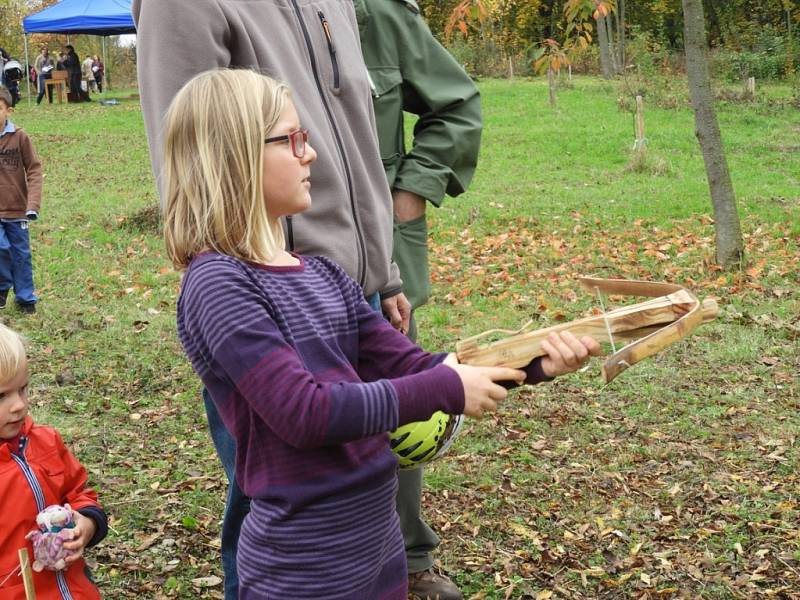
(36, 471)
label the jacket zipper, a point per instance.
(362, 267)
(331, 48)
(38, 496)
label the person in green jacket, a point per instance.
(411, 71)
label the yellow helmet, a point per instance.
(419, 443)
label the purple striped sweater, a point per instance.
(308, 379)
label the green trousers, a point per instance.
(411, 255)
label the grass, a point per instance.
(678, 480)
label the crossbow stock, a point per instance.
(671, 314)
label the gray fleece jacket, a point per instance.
(313, 46)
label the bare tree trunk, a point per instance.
(789, 40)
(621, 33)
(605, 53)
(612, 45)
(730, 248)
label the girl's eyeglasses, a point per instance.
(297, 140)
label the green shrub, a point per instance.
(736, 66)
(645, 55)
(765, 57)
(483, 58)
(586, 61)
(476, 56)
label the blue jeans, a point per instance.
(237, 505)
(42, 81)
(16, 269)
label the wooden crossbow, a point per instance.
(671, 314)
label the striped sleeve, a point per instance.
(422, 383)
(228, 332)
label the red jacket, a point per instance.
(62, 479)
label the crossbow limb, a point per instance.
(671, 314)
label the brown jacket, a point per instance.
(20, 176)
(350, 219)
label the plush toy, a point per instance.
(55, 527)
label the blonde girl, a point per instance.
(306, 376)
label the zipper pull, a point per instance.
(327, 29)
(23, 443)
(372, 87)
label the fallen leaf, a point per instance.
(206, 582)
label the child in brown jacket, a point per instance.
(20, 199)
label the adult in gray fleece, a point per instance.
(313, 46)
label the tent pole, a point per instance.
(28, 69)
(105, 64)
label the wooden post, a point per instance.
(551, 84)
(27, 574)
(569, 70)
(640, 143)
(750, 91)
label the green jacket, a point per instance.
(411, 71)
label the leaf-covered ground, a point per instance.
(677, 480)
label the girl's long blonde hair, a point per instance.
(213, 167)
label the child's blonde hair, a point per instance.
(12, 353)
(213, 168)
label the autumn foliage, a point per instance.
(484, 34)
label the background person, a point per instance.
(410, 71)
(11, 73)
(4, 58)
(99, 70)
(21, 197)
(44, 65)
(88, 75)
(72, 64)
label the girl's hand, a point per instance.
(566, 353)
(481, 393)
(82, 534)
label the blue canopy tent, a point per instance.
(73, 17)
(93, 17)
